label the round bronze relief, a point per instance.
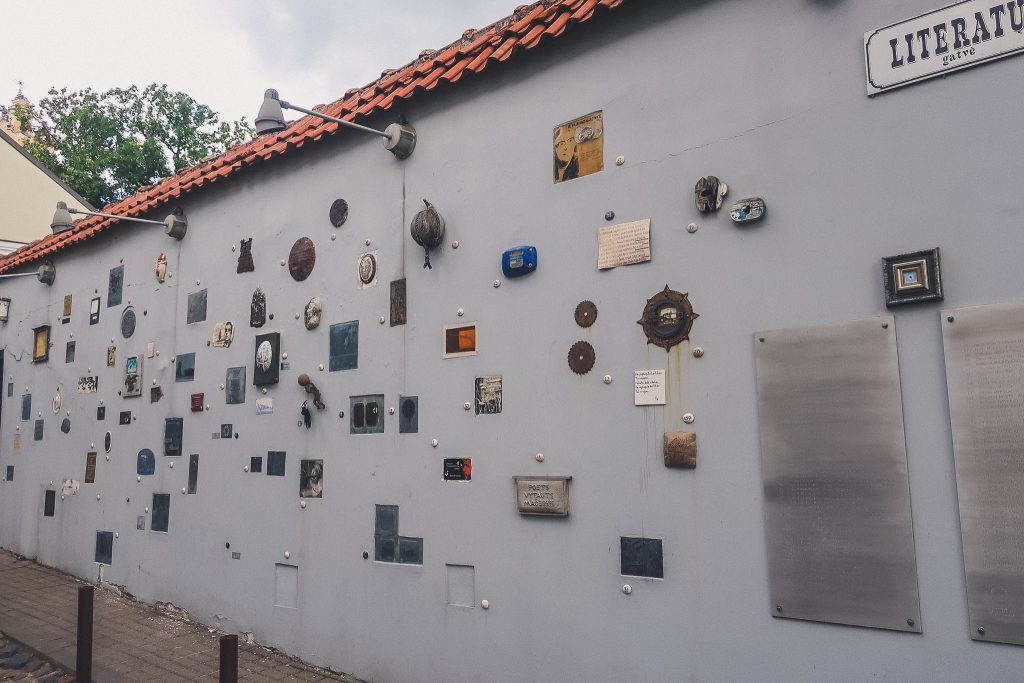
(128, 321)
(339, 213)
(581, 357)
(586, 313)
(367, 268)
(301, 258)
(667, 319)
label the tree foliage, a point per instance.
(106, 145)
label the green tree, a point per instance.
(106, 145)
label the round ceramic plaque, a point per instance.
(301, 258)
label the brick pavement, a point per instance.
(132, 641)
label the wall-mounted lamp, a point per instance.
(175, 225)
(46, 273)
(399, 139)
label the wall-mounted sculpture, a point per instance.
(427, 230)
(708, 194)
(667, 318)
(245, 264)
(311, 315)
(258, 309)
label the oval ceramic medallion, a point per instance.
(339, 213)
(106, 442)
(302, 258)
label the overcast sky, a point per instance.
(225, 53)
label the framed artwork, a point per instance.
(41, 344)
(578, 147)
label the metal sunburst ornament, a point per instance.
(667, 318)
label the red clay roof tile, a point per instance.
(526, 28)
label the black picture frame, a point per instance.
(912, 278)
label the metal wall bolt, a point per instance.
(245, 469)
(496, 283)
(607, 379)
(302, 504)
(183, 490)
(171, 464)
(97, 496)
(778, 608)
(433, 443)
(138, 478)
(287, 554)
(222, 387)
(467, 405)
(117, 535)
(197, 282)
(232, 247)
(108, 458)
(145, 510)
(981, 630)
(264, 391)
(367, 242)
(391, 410)
(320, 367)
(885, 326)
(698, 352)
(485, 603)
(341, 414)
(627, 589)
(334, 236)
(620, 160)
(461, 312)
(950, 319)
(455, 244)
(296, 316)
(688, 418)
(539, 457)
(382, 320)
(609, 215)
(283, 262)
(691, 228)
(910, 622)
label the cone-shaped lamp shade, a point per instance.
(61, 219)
(271, 117)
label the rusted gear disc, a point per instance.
(581, 357)
(586, 313)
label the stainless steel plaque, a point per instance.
(838, 527)
(984, 349)
(542, 495)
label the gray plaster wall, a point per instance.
(768, 96)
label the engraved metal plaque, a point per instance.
(301, 258)
(398, 302)
(984, 347)
(542, 495)
(838, 529)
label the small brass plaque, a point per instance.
(542, 495)
(681, 450)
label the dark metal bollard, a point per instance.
(83, 656)
(229, 659)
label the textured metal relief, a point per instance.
(245, 264)
(185, 367)
(680, 449)
(581, 357)
(586, 313)
(234, 386)
(128, 322)
(667, 318)
(302, 258)
(115, 286)
(145, 462)
(398, 303)
(338, 213)
(427, 230)
(258, 309)
(173, 428)
(708, 194)
(196, 307)
(344, 346)
(312, 313)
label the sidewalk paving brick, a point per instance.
(133, 641)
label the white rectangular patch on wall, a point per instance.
(286, 586)
(952, 38)
(461, 580)
(648, 387)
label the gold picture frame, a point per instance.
(41, 344)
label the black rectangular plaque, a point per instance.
(10, 473)
(173, 427)
(124, 417)
(344, 346)
(115, 286)
(275, 463)
(234, 386)
(185, 367)
(267, 359)
(69, 352)
(38, 434)
(196, 307)
(458, 469)
(161, 512)
(388, 546)
(26, 406)
(101, 413)
(408, 415)
(912, 278)
(226, 431)
(398, 302)
(256, 464)
(104, 547)
(641, 557)
(193, 472)
(49, 503)
(410, 550)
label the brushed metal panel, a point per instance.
(984, 348)
(838, 526)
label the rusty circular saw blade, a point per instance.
(586, 313)
(581, 357)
